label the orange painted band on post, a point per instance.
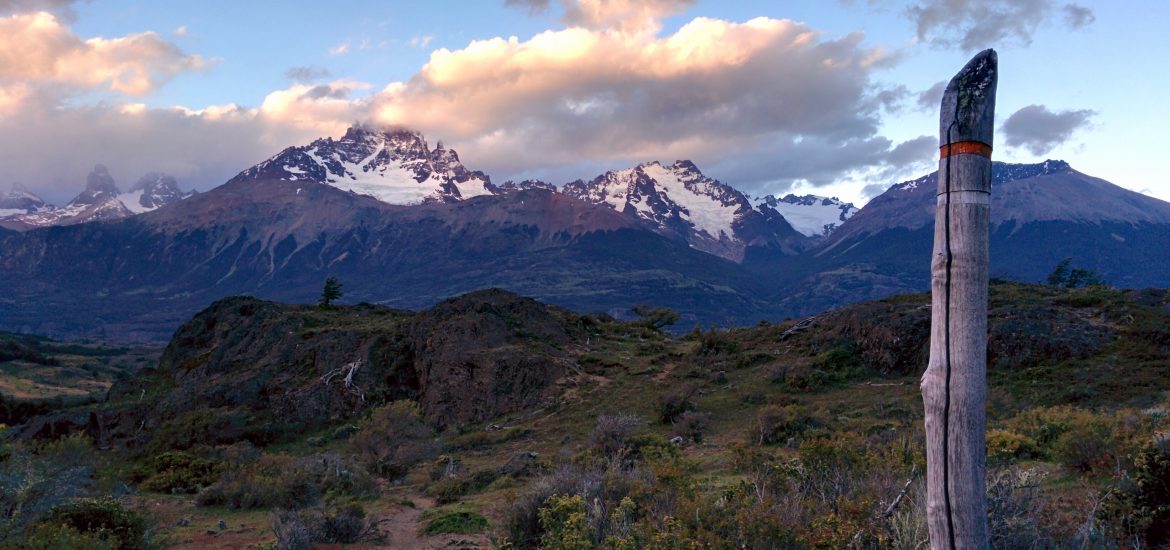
(964, 148)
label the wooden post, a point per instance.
(954, 386)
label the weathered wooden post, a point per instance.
(954, 387)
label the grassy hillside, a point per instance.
(38, 374)
(494, 421)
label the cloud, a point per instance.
(181, 31)
(307, 73)
(63, 9)
(37, 48)
(1039, 130)
(763, 104)
(340, 49)
(1078, 16)
(201, 147)
(420, 41)
(931, 98)
(622, 15)
(971, 25)
(713, 90)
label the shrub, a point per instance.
(56, 536)
(301, 530)
(104, 518)
(1139, 510)
(610, 434)
(284, 482)
(459, 522)
(1006, 445)
(393, 439)
(691, 425)
(33, 484)
(673, 403)
(291, 532)
(565, 524)
(180, 472)
(776, 423)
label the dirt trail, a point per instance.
(402, 527)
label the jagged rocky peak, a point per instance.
(509, 186)
(152, 191)
(99, 186)
(395, 166)
(20, 201)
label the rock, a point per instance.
(520, 464)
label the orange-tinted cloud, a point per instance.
(38, 48)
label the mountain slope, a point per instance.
(680, 202)
(137, 278)
(1040, 214)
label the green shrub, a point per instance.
(460, 522)
(565, 524)
(57, 536)
(180, 472)
(104, 518)
(275, 481)
(1006, 445)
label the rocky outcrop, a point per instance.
(244, 367)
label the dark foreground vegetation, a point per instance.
(495, 421)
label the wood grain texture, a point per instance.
(954, 386)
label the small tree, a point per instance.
(655, 318)
(331, 292)
(1063, 277)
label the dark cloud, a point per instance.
(307, 73)
(872, 190)
(326, 91)
(892, 100)
(976, 24)
(931, 98)
(1039, 130)
(1078, 16)
(60, 8)
(533, 6)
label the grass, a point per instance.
(454, 519)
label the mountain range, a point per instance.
(404, 224)
(101, 200)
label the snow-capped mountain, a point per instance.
(101, 200)
(20, 201)
(812, 215)
(153, 190)
(395, 167)
(680, 202)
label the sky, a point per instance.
(831, 97)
